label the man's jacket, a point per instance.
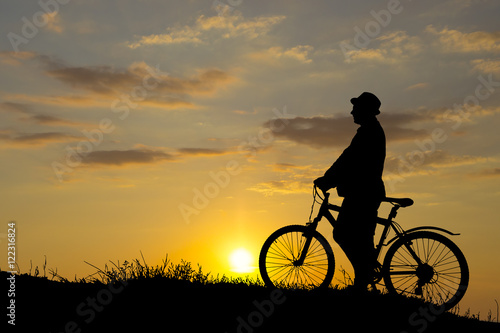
(358, 171)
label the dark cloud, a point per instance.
(288, 167)
(158, 86)
(418, 160)
(321, 131)
(492, 172)
(144, 156)
(99, 79)
(52, 121)
(201, 152)
(139, 80)
(34, 139)
(16, 107)
(123, 157)
(315, 131)
(30, 115)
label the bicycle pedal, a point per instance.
(418, 291)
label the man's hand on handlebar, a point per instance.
(321, 184)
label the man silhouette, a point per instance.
(357, 175)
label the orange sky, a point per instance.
(196, 128)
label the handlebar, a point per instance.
(325, 193)
(325, 203)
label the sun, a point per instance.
(241, 261)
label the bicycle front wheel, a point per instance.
(441, 276)
(279, 262)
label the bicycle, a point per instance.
(419, 262)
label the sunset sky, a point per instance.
(195, 128)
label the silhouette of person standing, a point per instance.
(357, 175)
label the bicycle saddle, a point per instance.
(403, 202)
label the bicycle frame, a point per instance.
(388, 223)
(324, 211)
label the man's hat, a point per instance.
(368, 101)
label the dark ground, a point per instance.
(166, 305)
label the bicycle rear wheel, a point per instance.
(278, 260)
(442, 276)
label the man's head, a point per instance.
(365, 107)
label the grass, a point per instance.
(133, 294)
(139, 270)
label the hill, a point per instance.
(189, 301)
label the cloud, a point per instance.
(124, 157)
(53, 20)
(321, 131)
(293, 179)
(15, 107)
(397, 46)
(418, 161)
(392, 47)
(288, 167)
(220, 26)
(82, 101)
(417, 86)
(328, 131)
(277, 54)
(20, 139)
(368, 54)
(35, 139)
(106, 80)
(282, 187)
(138, 82)
(487, 173)
(141, 154)
(202, 152)
(16, 58)
(41, 119)
(52, 121)
(486, 66)
(451, 40)
(174, 36)
(318, 131)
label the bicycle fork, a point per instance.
(311, 227)
(424, 271)
(308, 235)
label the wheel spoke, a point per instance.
(442, 272)
(280, 264)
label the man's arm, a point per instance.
(333, 175)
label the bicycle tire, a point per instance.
(444, 285)
(283, 247)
